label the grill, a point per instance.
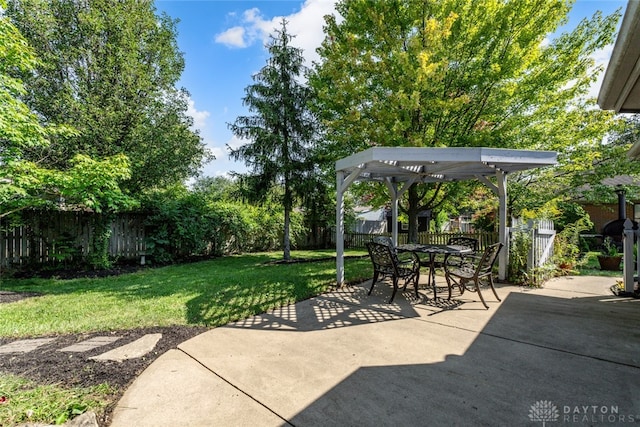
(615, 228)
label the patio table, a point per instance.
(432, 251)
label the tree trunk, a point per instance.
(412, 213)
(287, 241)
(288, 206)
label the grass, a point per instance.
(23, 401)
(209, 293)
(591, 267)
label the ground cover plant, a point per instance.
(179, 301)
(591, 267)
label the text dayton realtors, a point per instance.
(596, 414)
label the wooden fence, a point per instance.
(60, 237)
(360, 240)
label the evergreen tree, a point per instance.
(281, 131)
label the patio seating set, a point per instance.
(464, 267)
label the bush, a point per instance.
(519, 247)
(177, 227)
(182, 225)
(566, 249)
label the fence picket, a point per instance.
(61, 234)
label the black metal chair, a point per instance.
(467, 242)
(473, 271)
(403, 257)
(386, 263)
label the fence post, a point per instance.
(627, 245)
(531, 258)
(637, 260)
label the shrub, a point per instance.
(177, 227)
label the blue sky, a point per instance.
(223, 45)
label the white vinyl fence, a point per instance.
(541, 234)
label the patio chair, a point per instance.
(473, 271)
(439, 261)
(386, 263)
(467, 242)
(403, 257)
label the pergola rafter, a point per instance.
(399, 167)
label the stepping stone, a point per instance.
(137, 348)
(90, 344)
(24, 346)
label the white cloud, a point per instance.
(236, 142)
(306, 25)
(218, 152)
(233, 37)
(601, 58)
(199, 117)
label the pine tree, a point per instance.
(281, 131)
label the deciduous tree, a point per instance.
(459, 73)
(109, 69)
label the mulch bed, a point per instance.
(47, 365)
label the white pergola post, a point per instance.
(503, 236)
(628, 235)
(342, 183)
(339, 228)
(500, 190)
(395, 194)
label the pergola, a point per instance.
(399, 167)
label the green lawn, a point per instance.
(209, 293)
(591, 267)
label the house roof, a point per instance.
(620, 90)
(440, 164)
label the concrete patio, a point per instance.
(567, 354)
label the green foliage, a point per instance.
(19, 127)
(609, 247)
(281, 132)
(216, 188)
(178, 225)
(183, 224)
(566, 249)
(109, 69)
(30, 403)
(570, 213)
(440, 220)
(90, 184)
(98, 257)
(461, 73)
(519, 247)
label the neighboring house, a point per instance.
(424, 218)
(370, 221)
(378, 221)
(603, 213)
